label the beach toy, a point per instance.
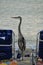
(13, 63)
(7, 62)
(3, 63)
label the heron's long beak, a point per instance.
(14, 17)
(17, 17)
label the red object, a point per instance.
(40, 63)
(13, 63)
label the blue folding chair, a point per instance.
(6, 47)
(39, 46)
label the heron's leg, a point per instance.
(22, 55)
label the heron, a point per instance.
(21, 39)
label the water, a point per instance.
(31, 12)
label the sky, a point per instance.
(31, 12)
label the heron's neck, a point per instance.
(19, 27)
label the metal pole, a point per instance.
(37, 49)
(33, 57)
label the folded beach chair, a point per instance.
(39, 49)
